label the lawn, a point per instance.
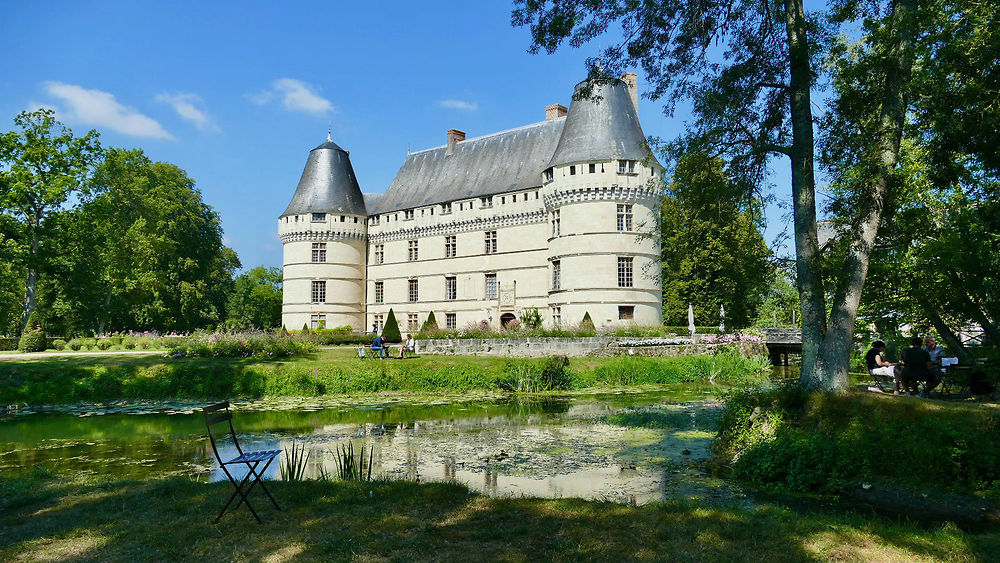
(46, 518)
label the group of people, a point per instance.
(381, 346)
(919, 365)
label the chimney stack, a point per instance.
(454, 137)
(554, 110)
(632, 80)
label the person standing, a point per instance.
(917, 368)
(877, 366)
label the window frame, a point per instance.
(626, 278)
(318, 291)
(319, 252)
(413, 290)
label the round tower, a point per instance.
(602, 194)
(323, 232)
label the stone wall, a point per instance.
(578, 347)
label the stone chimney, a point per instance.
(553, 111)
(454, 137)
(632, 80)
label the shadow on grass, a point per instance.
(169, 519)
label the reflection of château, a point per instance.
(552, 216)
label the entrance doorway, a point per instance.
(506, 318)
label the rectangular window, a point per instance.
(626, 312)
(556, 275)
(379, 292)
(342, 218)
(379, 253)
(319, 252)
(317, 321)
(572, 170)
(450, 246)
(319, 292)
(621, 166)
(319, 217)
(557, 316)
(445, 208)
(411, 322)
(555, 223)
(591, 168)
(379, 322)
(413, 255)
(547, 175)
(624, 272)
(414, 292)
(491, 242)
(631, 166)
(408, 214)
(451, 288)
(513, 198)
(503, 200)
(486, 201)
(451, 321)
(624, 217)
(491, 286)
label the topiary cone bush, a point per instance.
(587, 323)
(430, 325)
(33, 338)
(391, 330)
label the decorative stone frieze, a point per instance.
(643, 194)
(474, 224)
(320, 235)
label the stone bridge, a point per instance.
(781, 342)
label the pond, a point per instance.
(626, 446)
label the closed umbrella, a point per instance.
(722, 318)
(691, 319)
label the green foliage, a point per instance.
(391, 329)
(239, 345)
(826, 442)
(59, 344)
(42, 167)
(534, 376)
(32, 340)
(712, 250)
(338, 337)
(430, 325)
(255, 300)
(531, 318)
(305, 328)
(586, 324)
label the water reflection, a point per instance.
(553, 448)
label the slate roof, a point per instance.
(328, 184)
(602, 126)
(491, 164)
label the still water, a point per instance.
(566, 446)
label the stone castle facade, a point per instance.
(555, 216)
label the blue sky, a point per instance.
(238, 93)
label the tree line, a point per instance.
(96, 240)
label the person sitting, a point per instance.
(878, 367)
(378, 346)
(916, 368)
(936, 353)
(409, 346)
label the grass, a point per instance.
(44, 517)
(67, 379)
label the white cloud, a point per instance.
(459, 104)
(94, 107)
(186, 106)
(296, 95)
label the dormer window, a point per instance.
(445, 208)
(408, 215)
(626, 166)
(621, 166)
(319, 217)
(486, 201)
(547, 175)
(572, 170)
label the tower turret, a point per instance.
(602, 195)
(323, 232)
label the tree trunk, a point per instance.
(31, 283)
(898, 65)
(945, 331)
(104, 312)
(808, 260)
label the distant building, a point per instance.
(554, 216)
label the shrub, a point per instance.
(533, 376)
(75, 344)
(104, 343)
(33, 340)
(241, 345)
(59, 344)
(531, 318)
(128, 343)
(430, 325)
(391, 329)
(586, 323)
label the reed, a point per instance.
(293, 464)
(353, 467)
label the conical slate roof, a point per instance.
(328, 184)
(600, 126)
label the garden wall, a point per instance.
(579, 346)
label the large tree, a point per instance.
(43, 167)
(712, 251)
(255, 301)
(749, 67)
